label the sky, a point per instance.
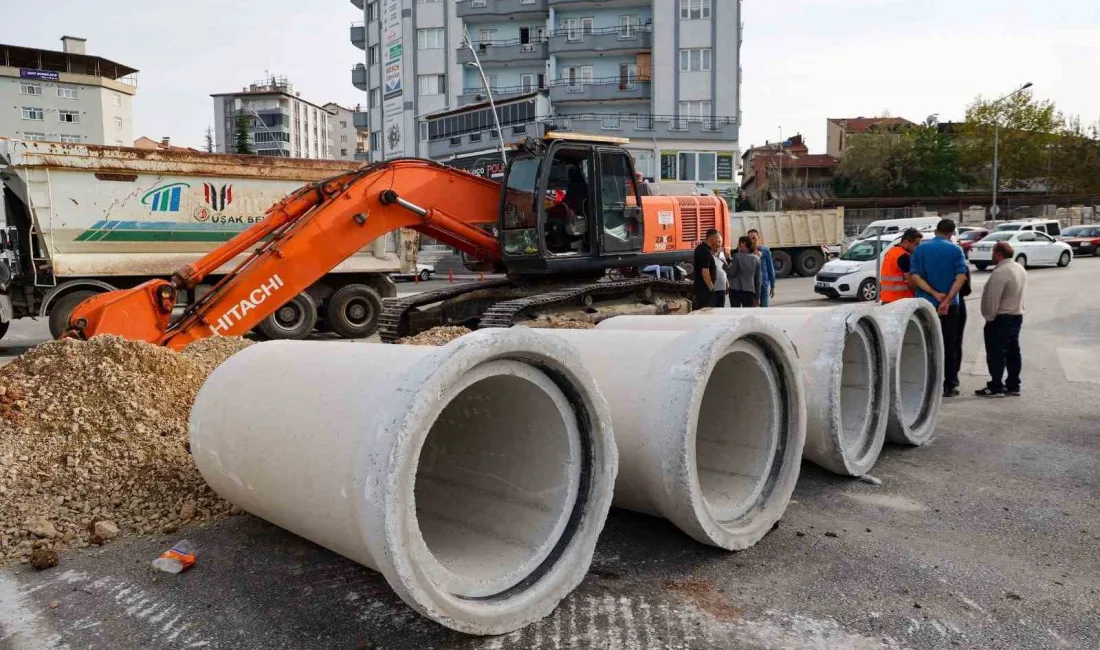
(803, 60)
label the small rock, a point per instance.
(44, 558)
(1012, 595)
(868, 530)
(918, 606)
(867, 478)
(800, 533)
(187, 512)
(54, 604)
(41, 527)
(236, 511)
(105, 530)
(171, 527)
(830, 533)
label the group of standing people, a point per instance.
(746, 275)
(937, 271)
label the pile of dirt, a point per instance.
(93, 442)
(435, 336)
(561, 325)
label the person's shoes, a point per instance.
(1013, 392)
(951, 392)
(988, 392)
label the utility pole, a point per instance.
(997, 145)
(780, 169)
(492, 105)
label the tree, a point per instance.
(1029, 129)
(241, 143)
(209, 140)
(1075, 159)
(918, 161)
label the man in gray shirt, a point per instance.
(744, 276)
(1003, 309)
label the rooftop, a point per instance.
(33, 58)
(861, 124)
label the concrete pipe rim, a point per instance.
(525, 591)
(736, 527)
(917, 319)
(862, 432)
(917, 343)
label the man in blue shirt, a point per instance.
(938, 272)
(767, 267)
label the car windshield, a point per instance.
(1080, 231)
(971, 235)
(999, 236)
(869, 232)
(863, 251)
(1008, 226)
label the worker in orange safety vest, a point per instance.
(894, 281)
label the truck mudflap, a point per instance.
(5, 308)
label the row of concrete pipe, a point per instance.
(476, 477)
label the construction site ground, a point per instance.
(987, 538)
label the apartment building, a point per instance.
(345, 142)
(663, 73)
(839, 130)
(66, 95)
(409, 69)
(279, 121)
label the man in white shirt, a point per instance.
(1003, 310)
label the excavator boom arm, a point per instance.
(302, 238)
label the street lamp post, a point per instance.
(485, 82)
(278, 143)
(997, 145)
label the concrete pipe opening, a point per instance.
(862, 397)
(497, 479)
(710, 422)
(475, 477)
(914, 350)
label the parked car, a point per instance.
(970, 237)
(423, 273)
(896, 226)
(853, 275)
(1084, 240)
(1032, 248)
(1051, 227)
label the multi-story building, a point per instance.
(278, 120)
(66, 96)
(785, 175)
(345, 141)
(839, 130)
(663, 73)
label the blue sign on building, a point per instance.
(45, 75)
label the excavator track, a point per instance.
(393, 322)
(504, 314)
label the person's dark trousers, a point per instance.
(952, 346)
(1002, 351)
(962, 336)
(702, 300)
(742, 298)
(718, 299)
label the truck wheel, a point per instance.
(810, 262)
(294, 320)
(4, 329)
(352, 312)
(868, 290)
(63, 309)
(782, 263)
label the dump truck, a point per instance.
(80, 220)
(800, 240)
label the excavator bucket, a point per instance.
(142, 313)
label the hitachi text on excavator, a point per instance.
(569, 208)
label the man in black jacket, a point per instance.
(706, 270)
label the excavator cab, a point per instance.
(570, 203)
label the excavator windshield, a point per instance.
(519, 221)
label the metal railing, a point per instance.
(504, 90)
(578, 34)
(648, 121)
(625, 83)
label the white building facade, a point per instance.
(65, 96)
(345, 142)
(279, 122)
(664, 73)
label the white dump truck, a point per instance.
(800, 240)
(83, 219)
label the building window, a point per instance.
(32, 113)
(27, 88)
(423, 130)
(694, 9)
(701, 166)
(695, 109)
(628, 27)
(375, 97)
(76, 139)
(375, 140)
(429, 39)
(69, 117)
(695, 60)
(527, 82)
(431, 84)
(343, 124)
(372, 11)
(485, 36)
(118, 123)
(118, 99)
(610, 122)
(34, 137)
(576, 28)
(374, 55)
(66, 92)
(344, 152)
(343, 138)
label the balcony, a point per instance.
(505, 53)
(359, 35)
(359, 77)
(500, 93)
(601, 90)
(646, 126)
(358, 4)
(502, 9)
(359, 119)
(606, 4)
(610, 40)
(481, 140)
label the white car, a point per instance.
(1033, 248)
(423, 273)
(853, 275)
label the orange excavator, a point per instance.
(570, 207)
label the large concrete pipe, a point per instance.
(843, 369)
(710, 425)
(475, 477)
(914, 354)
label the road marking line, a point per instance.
(1080, 365)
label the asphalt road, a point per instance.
(987, 538)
